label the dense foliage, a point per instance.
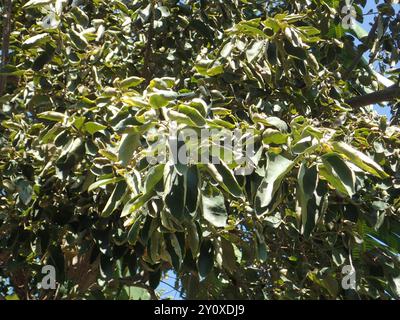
(89, 86)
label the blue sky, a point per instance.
(368, 20)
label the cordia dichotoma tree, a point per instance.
(233, 144)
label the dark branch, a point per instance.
(6, 41)
(388, 94)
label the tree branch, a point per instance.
(387, 94)
(364, 47)
(6, 41)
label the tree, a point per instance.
(91, 88)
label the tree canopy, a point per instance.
(89, 89)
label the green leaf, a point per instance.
(93, 127)
(278, 167)
(133, 180)
(162, 98)
(129, 143)
(226, 179)
(137, 293)
(35, 40)
(115, 199)
(338, 174)
(202, 66)
(78, 122)
(302, 145)
(10, 125)
(192, 181)
(12, 297)
(214, 210)
(52, 116)
(274, 136)
(309, 30)
(134, 231)
(174, 250)
(78, 40)
(227, 49)
(200, 105)
(215, 70)
(193, 238)
(131, 82)
(135, 102)
(162, 83)
(272, 24)
(249, 28)
(330, 284)
(137, 203)
(36, 3)
(360, 159)
(307, 184)
(121, 6)
(193, 114)
(154, 175)
(262, 251)
(175, 199)
(109, 155)
(103, 182)
(206, 258)
(80, 16)
(181, 118)
(271, 122)
(255, 50)
(221, 123)
(10, 70)
(228, 255)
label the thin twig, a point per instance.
(167, 284)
